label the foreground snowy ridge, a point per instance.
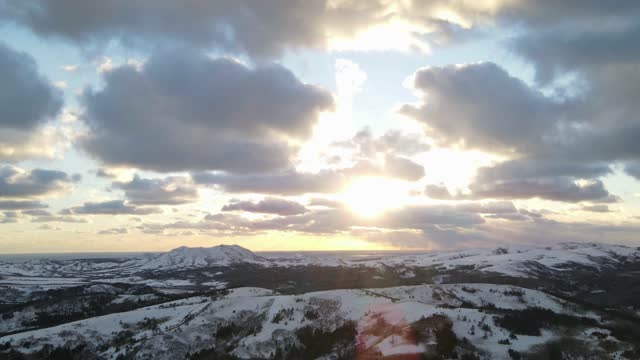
(190, 323)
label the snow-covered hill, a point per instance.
(179, 258)
(381, 317)
(188, 257)
(519, 260)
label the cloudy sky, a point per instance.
(317, 124)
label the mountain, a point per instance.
(196, 257)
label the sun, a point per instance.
(372, 196)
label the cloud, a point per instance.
(44, 216)
(18, 183)
(293, 182)
(394, 142)
(172, 190)
(545, 179)
(558, 149)
(36, 212)
(21, 205)
(633, 169)
(186, 111)
(267, 206)
(470, 224)
(438, 192)
(558, 189)
(362, 155)
(27, 98)
(114, 231)
(259, 28)
(111, 207)
(599, 208)
(289, 182)
(27, 102)
(9, 217)
(403, 168)
(600, 52)
(573, 45)
(481, 106)
(335, 220)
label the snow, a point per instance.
(512, 261)
(399, 306)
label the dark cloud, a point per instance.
(544, 179)
(111, 207)
(288, 182)
(105, 173)
(172, 190)
(260, 28)
(36, 212)
(21, 205)
(26, 98)
(599, 48)
(528, 178)
(558, 189)
(267, 206)
(527, 168)
(549, 13)
(186, 111)
(554, 54)
(27, 101)
(17, 183)
(481, 106)
(633, 169)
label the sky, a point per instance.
(318, 124)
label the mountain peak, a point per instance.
(219, 255)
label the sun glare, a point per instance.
(372, 196)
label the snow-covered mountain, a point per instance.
(196, 257)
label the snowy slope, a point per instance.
(187, 324)
(520, 261)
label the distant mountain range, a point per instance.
(515, 260)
